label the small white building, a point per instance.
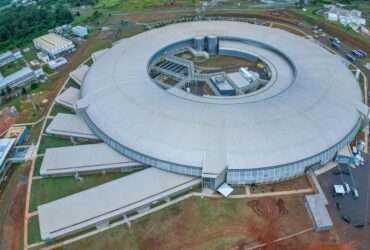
(53, 64)
(53, 44)
(9, 56)
(17, 54)
(80, 31)
(352, 18)
(17, 79)
(6, 58)
(6, 146)
(39, 72)
(43, 57)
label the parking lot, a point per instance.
(350, 215)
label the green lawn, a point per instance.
(60, 109)
(36, 170)
(50, 141)
(33, 230)
(12, 67)
(47, 69)
(30, 55)
(85, 15)
(72, 83)
(89, 62)
(34, 133)
(139, 5)
(50, 189)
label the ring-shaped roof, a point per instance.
(267, 129)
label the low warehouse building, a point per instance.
(53, 44)
(6, 146)
(80, 31)
(17, 79)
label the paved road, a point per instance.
(343, 51)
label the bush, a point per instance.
(34, 85)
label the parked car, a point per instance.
(346, 218)
(357, 54)
(335, 45)
(364, 54)
(350, 58)
(355, 193)
(347, 187)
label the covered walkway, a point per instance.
(70, 125)
(68, 98)
(79, 159)
(99, 206)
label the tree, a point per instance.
(8, 90)
(96, 15)
(19, 25)
(3, 93)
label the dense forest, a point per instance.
(19, 25)
(72, 3)
(4, 2)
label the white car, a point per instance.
(347, 187)
(355, 193)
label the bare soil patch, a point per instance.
(13, 200)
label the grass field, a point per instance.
(72, 83)
(60, 109)
(85, 15)
(30, 55)
(49, 189)
(26, 112)
(138, 5)
(197, 223)
(47, 69)
(34, 133)
(33, 230)
(49, 141)
(36, 170)
(12, 67)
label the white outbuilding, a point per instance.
(53, 44)
(80, 31)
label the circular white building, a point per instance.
(138, 98)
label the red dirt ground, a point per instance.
(13, 225)
(6, 121)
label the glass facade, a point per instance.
(233, 176)
(147, 160)
(284, 172)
